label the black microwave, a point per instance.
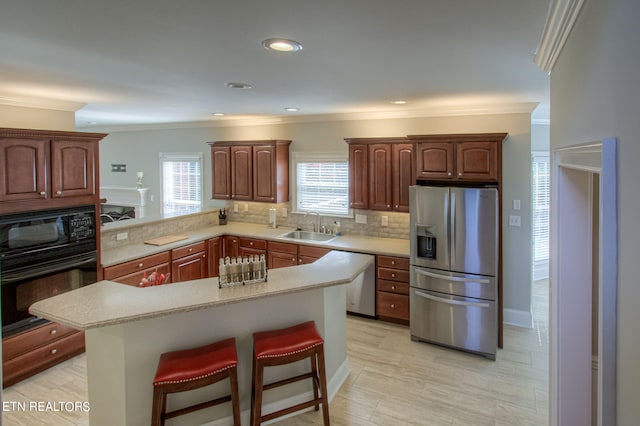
(44, 235)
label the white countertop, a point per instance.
(108, 303)
(354, 243)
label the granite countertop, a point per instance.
(107, 303)
(353, 243)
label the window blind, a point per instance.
(181, 183)
(541, 192)
(322, 187)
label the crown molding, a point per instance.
(561, 17)
(462, 110)
(42, 103)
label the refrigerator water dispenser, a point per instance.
(426, 242)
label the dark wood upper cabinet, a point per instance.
(60, 168)
(358, 176)
(380, 173)
(403, 169)
(255, 171)
(465, 157)
(221, 172)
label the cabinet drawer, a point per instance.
(393, 262)
(310, 251)
(393, 274)
(393, 305)
(24, 342)
(393, 287)
(283, 247)
(251, 243)
(137, 265)
(135, 278)
(40, 359)
(187, 250)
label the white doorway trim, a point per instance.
(571, 283)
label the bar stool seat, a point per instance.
(285, 346)
(189, 369)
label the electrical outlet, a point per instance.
(361, 218)
(284, 212)
(516, 204)
(514, 220)
(122, 236)
(385, 221)
(235, 208)
(246, 207)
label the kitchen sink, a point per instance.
(308, 236)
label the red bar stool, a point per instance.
(190, 369)
(284, 346)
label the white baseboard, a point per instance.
(518, 318)
(333, 386)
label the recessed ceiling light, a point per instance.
(399, 102)
(238, 85)
(282, 45)
(292, 109)
(217, 114)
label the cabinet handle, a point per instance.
(54, 351)
(449, 174)
(396, 206)
(293, 259)
(393, 306)
(204, 255)
(54, 331)
(58, 192)
(251, 243)
(393, 287)
(388, 206)
(44, 194)
(140, 265)
(393, 275)
(459, 173)
(393, 262)
(190, 250)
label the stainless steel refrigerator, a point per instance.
(454, 267)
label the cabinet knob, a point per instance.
(393, 275)
(449, 174)
(393, 262)
(397, 206)
(393, 287)
(459, 173)
(388, 206)
(54, 331)
(58, 192)
(393, 306)
(44, 194)
(54, 351)
(293, 259)
(190, 250)
(251, 243)
(140, 265)
(204, 255)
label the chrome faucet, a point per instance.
(316, 226)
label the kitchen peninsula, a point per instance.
(127, 328)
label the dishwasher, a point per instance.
(361, 293)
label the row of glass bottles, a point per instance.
(239, 270)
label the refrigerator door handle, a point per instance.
(451, 302)
(456, 279)
(452, 221)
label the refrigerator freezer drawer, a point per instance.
(458, 322)
(465, 285)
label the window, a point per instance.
(322, 183)
(181, 176)
(540, 181)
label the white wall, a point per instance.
(594, 95)
(36, 118)
(139, 150)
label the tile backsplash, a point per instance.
(398, 223)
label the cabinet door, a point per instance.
(241, 173)
(231, 246)
(72, 168)
(193, 267)
(214, 253)
(264, 173)
(403, 168)
(221, 172)
(24, 169)
(477, 161)
(281, 260)
(135, 278)
(380, 177)
(358, 176)
(434, 160)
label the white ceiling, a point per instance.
(144, 62)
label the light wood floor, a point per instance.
(393, 381)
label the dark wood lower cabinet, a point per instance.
(35, 350)
(392, 289)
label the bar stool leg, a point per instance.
(257, 393)
(323, 386)
(159, 407)
(314, 369)
(235, 395)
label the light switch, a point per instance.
(516, 204)
(122, 236)
(361, 218)
(514, 220)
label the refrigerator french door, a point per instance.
(454, 267)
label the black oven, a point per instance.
(42, 254)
